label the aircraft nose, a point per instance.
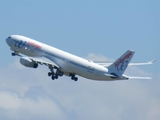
(8, 40)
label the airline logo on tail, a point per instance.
(123, 61)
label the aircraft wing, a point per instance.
(42, 60)
(45, 61)
(105, 64)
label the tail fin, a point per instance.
(119, 66)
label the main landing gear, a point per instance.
(73, 77)
(53, 75)
(54, 72)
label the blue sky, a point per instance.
(105, 29)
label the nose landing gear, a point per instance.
(15, 53)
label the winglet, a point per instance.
(152, 61)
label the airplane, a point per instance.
(33, 53)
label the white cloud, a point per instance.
(27, 93)
(8, 98)
(154, 111)
(40, 106)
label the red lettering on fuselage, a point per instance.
(121, 60)
(34, 45)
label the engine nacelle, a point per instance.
(28, 62)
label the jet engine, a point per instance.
(28, 62)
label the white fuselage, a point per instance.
(68, 63)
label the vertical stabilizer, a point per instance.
(120, 65)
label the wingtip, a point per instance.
(152, 61)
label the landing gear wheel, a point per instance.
(75, 79)
(13, 54)
(49, 73)
(72, 77)
(56, 76)
(53, 77)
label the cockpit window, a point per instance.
(9, 37)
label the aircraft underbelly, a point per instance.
(84, 72)
(94, 75)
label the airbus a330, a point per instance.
(33, 53)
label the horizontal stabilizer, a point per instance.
(106, 64)
(141, 78)
(147, 63)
